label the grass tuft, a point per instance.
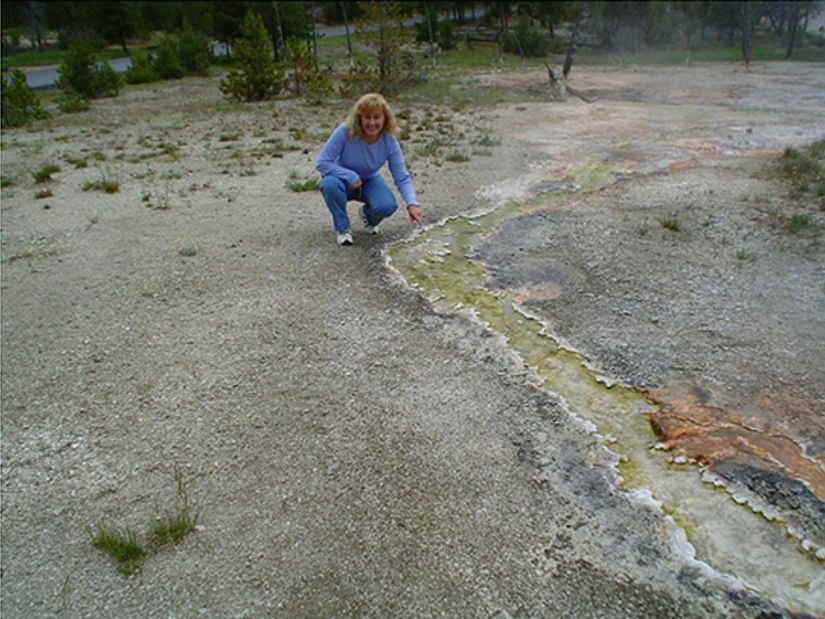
(670, 223)
(44, 174)
(103, 184)
(122, 545)
(299, 186)
(126, 547)
(800, 222)
(77, 163)
(457, 157)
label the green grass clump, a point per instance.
(457, 157)
(804, 169)
(123, 545)
(77, 163)
(431, 149)
(803, 222)
(299, 186)
(128, 549)
(44, 174)
(103, 185)
(487, 140)
(670, 223)
(797, 164)
(173, 526)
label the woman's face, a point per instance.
(372, 122)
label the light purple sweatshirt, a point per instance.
(350, 158)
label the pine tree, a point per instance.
(20, 104)
(258, 77)
(382, 27)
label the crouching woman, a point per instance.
(350, 165)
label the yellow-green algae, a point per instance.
(722, 533)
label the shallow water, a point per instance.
(717, 526)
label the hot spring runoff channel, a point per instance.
(717, 530)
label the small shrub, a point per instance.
(43, 193)
(229, 137)
(319, 88)
(193, 49)
(445, 35)
(6, 181)
(79, 73)
(71, 102)
(142, 69)
(20, 105)
(44, 174)
(797, 165)
(167, 62)
(527, 39)
(817, 149)
(360, 78)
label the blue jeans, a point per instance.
(379, 203)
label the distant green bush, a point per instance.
(193, 48)
(142, 69)
(443, 33)
(20, 104)
(167, 59)
(176, 56)
(527, 39)
(79, 73)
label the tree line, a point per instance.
(624, 25)
(274, 44)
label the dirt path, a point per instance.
(353, 452)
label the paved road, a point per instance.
(40, 78)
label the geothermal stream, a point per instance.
(712, 525)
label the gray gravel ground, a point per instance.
(353, 453)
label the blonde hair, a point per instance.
(369, 103)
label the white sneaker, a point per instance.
(344, 238)
(367, 227)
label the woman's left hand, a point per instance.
(414, 212)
